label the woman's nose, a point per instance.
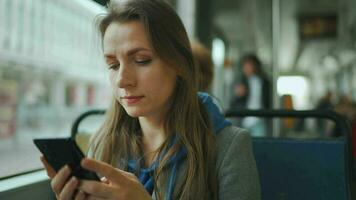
(125, 77)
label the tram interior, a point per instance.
(51, 71)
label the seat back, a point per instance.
(294, 169)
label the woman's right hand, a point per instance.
(62, 184)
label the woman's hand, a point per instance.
(120, 185)
(62, 184)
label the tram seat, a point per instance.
(294, 169)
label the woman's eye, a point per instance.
(114, 66)
(143, 62)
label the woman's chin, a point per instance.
(134, 112)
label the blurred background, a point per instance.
(52, 70)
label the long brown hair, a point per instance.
(119, 136)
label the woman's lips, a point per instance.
(132, 99)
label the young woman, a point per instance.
(161, 139)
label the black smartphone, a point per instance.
(64, 151)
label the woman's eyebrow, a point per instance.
(108, 58)
(130, 52)
(137, 49)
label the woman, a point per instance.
(158, 140)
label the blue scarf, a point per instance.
(145, 175)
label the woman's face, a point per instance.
(248, 68)
(142, 82)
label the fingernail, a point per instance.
(67, 169)
(73, 179)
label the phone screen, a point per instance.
(64, 151)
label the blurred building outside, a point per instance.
(51, 70)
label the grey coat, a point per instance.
(236, 167)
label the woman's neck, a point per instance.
(153, 136)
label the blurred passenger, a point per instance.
(161, 139)
(346, 109)
(325, 103)
(202, 56)
(288, 123)
(344, 106)
(252, 92)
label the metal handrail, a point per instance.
(81, 117)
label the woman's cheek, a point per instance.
(116, 94)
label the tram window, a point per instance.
(45, 82)
(297, 87)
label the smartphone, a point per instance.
(64, 151)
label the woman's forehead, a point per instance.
(125, 37)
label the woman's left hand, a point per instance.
(120, 185)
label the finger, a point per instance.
(60, 179)
(80, 195)
(50, 171)
(111, 173)
(68, 190)
(96, 189)
(94, 198)
(104, 180)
